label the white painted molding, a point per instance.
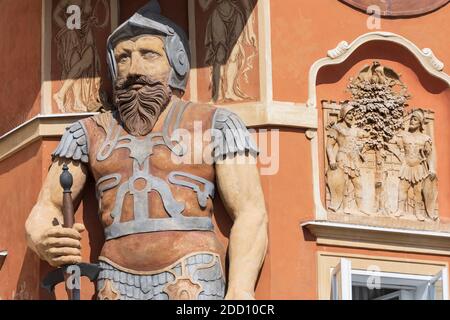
(341, 48)
(62, 116)
(265, 51)
(337, 56)
(380, 238)
(435, 62)
(277, 114)
(34, 129)
(339, 225)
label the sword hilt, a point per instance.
(61, 274)
(66, 181)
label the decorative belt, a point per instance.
(117, 230)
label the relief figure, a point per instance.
(344, 157)
(229, 30)
(380, 156)
(417, 171)
(78, 56)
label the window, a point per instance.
(355, 284)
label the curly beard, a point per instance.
(140, 101)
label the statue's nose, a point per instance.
(136, 67)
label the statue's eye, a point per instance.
(123, 58)
(149, 54)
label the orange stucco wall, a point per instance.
(289, 201)
(20, 181)
(303, 33)
(20, 49)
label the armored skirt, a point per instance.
(196, 277)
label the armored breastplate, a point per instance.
(414, 147)
(347, 139)
(141, 186)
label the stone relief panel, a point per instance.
(77, 66)
(379, 151)
(227, 50)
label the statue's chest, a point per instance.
(161, 154)
(130, 167)
(348, 137)
(414, 144)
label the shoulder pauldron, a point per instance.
(74, 144)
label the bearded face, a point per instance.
(141, 91)
(140, 101)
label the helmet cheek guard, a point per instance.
(179, 61)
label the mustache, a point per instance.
(135, 82)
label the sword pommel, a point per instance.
(66, 179)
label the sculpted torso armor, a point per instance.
(417, 146)
(156, 194)
(348, 141)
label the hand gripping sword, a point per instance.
(70, 274)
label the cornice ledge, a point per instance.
(35, 129)
(426, 53)
(276, 114)
(381, 238)
(255, 115)
(344, 50)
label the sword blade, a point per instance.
(75, 295)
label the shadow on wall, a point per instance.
(20, 51)
(28, 283)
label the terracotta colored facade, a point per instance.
(300, 33)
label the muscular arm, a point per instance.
(241, 192)
(398, 142)
(430, 158)
(330, 153)
(52, 243)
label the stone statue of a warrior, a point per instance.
(417, 171)
(344, 161)
(155, 206)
